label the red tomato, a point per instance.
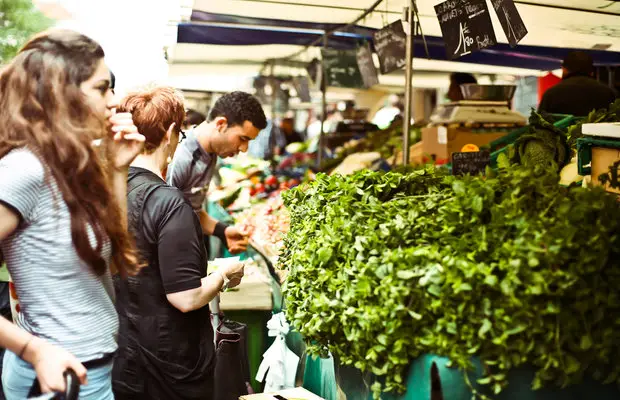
(260, 188)
(271, 180)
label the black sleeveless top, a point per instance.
(163, 353)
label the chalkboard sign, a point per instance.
(367, 66)
(302, 87)
(390, 44)
(510, 19)
(472, 163)
(341, 68)
(314, 73)
(466, 26)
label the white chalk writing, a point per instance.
(464, 40)
(446, 6)
(497, 3)
(484, 42)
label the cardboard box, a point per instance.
(289, 394)
(415, 156)
(441, 141)
(602, 159)
(254, 293)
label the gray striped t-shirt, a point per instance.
(60, 298)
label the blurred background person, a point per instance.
(193, 118)
(578, 93)
(456, 80)
(386, 115)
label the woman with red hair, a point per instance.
(166, 338)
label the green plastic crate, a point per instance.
(584, 151)
(324, 377)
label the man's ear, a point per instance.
(169, 132)
(221, 123)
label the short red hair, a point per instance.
(153, 111)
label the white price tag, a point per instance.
(442, 135)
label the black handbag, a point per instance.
(232, 369)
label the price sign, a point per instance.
(367, 66)
(390, 44)
(510, 19)
(466, 26)
(471, 163)
(341, 69)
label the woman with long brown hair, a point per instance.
(62, 211)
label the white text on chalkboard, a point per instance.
(465, 41)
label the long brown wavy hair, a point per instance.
(42, 108)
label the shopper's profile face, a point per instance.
(236, 138)
(98, 92)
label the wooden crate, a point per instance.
(602, 159)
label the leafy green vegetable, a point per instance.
(543, 145)
(512, 268)
(19, 19)
(611, 114)
(228, 200)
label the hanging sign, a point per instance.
(367, 66)
(302, 86)
(466, 26)
(390, 45)
(341, 68)
(314, 73)
(510, 19)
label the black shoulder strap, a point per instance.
(139, 188)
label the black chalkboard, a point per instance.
(390, 45)
(510, 19)
(367, 66)
(472, 163)
(314, 73)
(466, 26)
(302, 87)
(341, 68)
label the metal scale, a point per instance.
(483, 104)
(477, 111)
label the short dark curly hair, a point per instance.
(239, 107)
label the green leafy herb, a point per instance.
(511, 268)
